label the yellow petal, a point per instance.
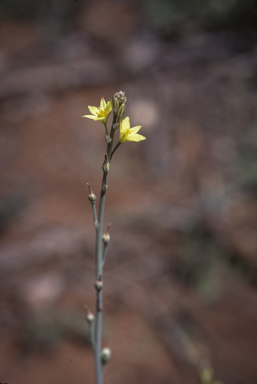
(135, 137)
(125, 125)
(93, 110)
(102, 104)
(135, 129)
(108, 108)
(91, 117)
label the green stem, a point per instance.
(92, 334)
(94, 214)
(116, 147)
(104, 255)
(98, 339)
(106, 129)
(99, 264)
(99, 277)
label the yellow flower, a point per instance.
(100, 113)
(129, 134)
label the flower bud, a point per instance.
(121, 111)
(90, 318)
(106, 354)
(106, 236)
(106, 165)
(104, 188)
(120, 97)
(91, 196)
(115, 104)
(98, 285)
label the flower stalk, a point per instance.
(117, 105)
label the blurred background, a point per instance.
(181, 272)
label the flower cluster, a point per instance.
(118, 106)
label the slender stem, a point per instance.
(98, 339)
(99, 264)
(99, 299)
(100, 228)
(106, 129)
(92, 334)
(104, 255)
(116, 147)
(94, 214)
(109, 146)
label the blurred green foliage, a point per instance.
(168, 16)
(165, 17)
(58, 14)
(203, 258)
(199, 253)
(247, 159)
(207, 376)
(43, 330)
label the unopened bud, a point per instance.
(121, 111)
(91, 196)
(120, 97)
(104, 188)
(90, 318)
(115, 104)
(106, 354)
(98, 285)
(106, 236)
(106, 165)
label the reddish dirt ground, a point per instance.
(180, 279)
